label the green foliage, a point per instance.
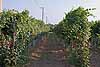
(16, 31)
(95, 28)
(51, 26)
(75, 29)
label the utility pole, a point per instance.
(46, 19)
(0, 5)
(42, 13)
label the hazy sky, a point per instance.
(54, 9)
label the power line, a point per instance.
(42, 8)
(37, 4)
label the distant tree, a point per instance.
(95, 34)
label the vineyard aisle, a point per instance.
(48, 52)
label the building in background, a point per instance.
(0, 5)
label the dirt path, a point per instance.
(49, 52)
(95, 58)
(47, 63)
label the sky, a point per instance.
(54, 9)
